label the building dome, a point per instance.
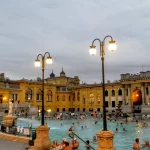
(62, 73)
(52, 75)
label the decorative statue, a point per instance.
(10, 108)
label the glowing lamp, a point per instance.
(92, 50)
(49, 60)
(112, 46)
(37, 63)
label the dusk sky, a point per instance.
(66, 29)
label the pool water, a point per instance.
(122, 140)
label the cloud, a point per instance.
(66, 29)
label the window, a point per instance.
(106, 103)
(98, 109)
(73, 96)
(83, 100)
(120, 102)
(1, 98)
(91, 98)
(147, 91)
(120, 92)
(113, 104)
(127, 92)
(63, 97)
(83, 109)
(113, 93)
(64, 109)
(39, 95)
(28, 94)
(49, 95)
(78, 109)
(106, 93)
(98, 99)
(14, 97)
(69, 98)
(57, 98)
(78, 96)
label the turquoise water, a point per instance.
(122, 140)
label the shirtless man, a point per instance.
(136, 144)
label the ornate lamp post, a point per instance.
(102, 136)
(45, 60)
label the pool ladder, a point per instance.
(72, 134)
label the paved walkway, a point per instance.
(11, 145)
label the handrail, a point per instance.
(78, 138)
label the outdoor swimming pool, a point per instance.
(122, 140)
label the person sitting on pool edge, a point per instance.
(63, 142)
(136, 144)
(67, 147)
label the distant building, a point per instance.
(64, 93)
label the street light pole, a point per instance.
(112, 47)
(37, 64)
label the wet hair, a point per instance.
(66, 143)
(137, 139)
(87, 141)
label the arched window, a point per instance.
(91, 98)
(57, 98)
(78, 109)
(63, 109)
(147, 91)
(28, 94)
(83, 109)
(83, 100)
(78, 96)
(98, 109)
(120, 92)
(57, 109)
(63, 97)
(73, 96)
(49, 95)
(113, 93)
(98, 99)
(106, 93)
(39, 95)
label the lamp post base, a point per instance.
(42, 141)
(105, 140)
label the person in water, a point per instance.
(87, 145)
(124, 129)
(136, 144)
(94, 139)
(116, 129)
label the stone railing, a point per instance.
(14, 105)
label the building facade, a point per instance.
(64, 93)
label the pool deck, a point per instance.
(11, 145)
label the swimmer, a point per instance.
(81, 127)
(61, 124)
(95, 122)
(124, 129)
(116, 129)
(94, 139)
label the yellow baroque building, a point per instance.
(64, 93)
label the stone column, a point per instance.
(148, 93)
(123, 94)
(42, 141)
(143, 95)
(105, 140)
(129, 94)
